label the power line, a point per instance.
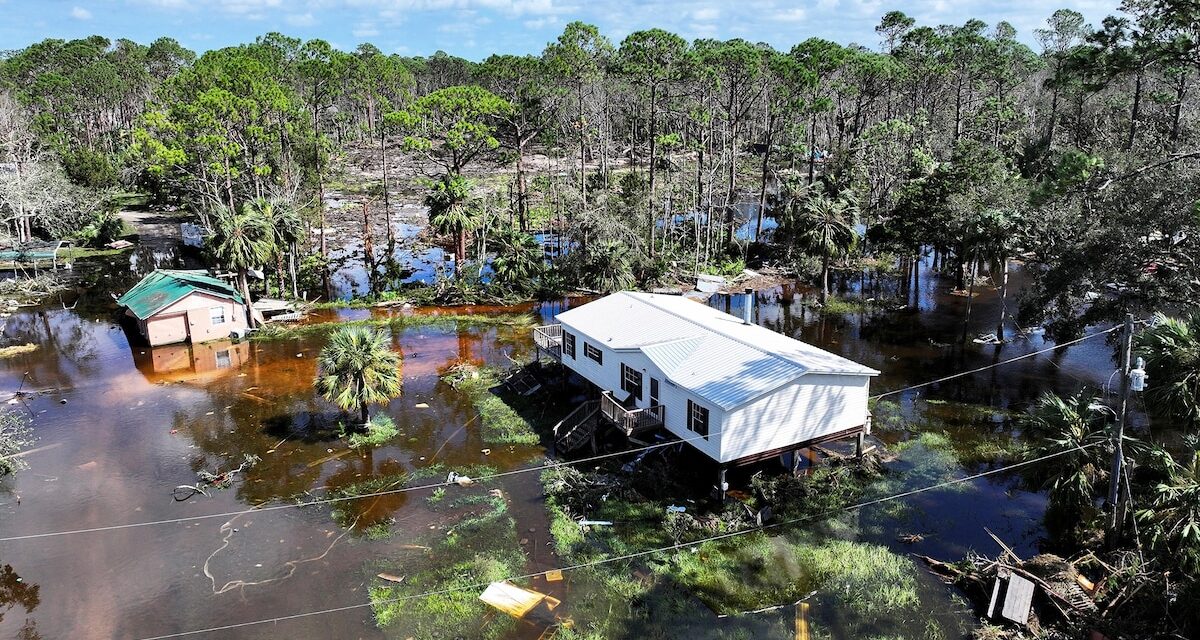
(503, 474)
(630, 556)
(997, 364)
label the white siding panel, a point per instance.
(671, 396)
(813, 406)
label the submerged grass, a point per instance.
(397, 322)
(478, 547)
(499, 422)
(736, 574)
(16, 350)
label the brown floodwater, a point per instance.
(119, 426)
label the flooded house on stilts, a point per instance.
(736, 391)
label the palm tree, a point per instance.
(242, 241)
(1079, 424)
(519, 258)
(608, 266)
(285, 227)
(452, 210)
(823, 225)
(1172, 351)
(357, 368)
(1173, 514)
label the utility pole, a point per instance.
(1114, 481)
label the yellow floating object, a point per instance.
(518, 602)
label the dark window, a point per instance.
(698, 419)
(654, 392)
(569, 344)
(593, 353)
(631, 381)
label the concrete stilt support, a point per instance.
(861, 448)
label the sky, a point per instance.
(475, 29)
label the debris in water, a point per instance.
(521, 603)
(391, 578)
(421, 405)
(486, 452)
(462, 481)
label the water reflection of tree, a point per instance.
(71, 338)
(13, 592)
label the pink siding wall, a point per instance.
(190, 318)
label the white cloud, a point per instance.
(79, 13)
(707, 14)
(796, 14)
(539, 23)
(365, 30)
(249, 7)
(301, 19)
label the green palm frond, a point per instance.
(358, 368)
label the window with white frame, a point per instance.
(216, 315)
(698, 419)
(568, 344)
(593, 352)
(631, 381)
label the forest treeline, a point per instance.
(1079, 156)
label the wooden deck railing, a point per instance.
(630, 421)
(548, 338)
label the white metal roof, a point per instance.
(711, 353)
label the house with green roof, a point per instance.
(172, 306)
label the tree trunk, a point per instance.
(653, 129)
(1003, 300)
(824, 278)
(1134, 110)
(292, 269)
(244, 286)
(368, 248)
(762, 191)
(460, 249)
(812, 150)
(582, 151)
(387, 203)
(522, 189)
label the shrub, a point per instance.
(90, 168)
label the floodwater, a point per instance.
(119, 426)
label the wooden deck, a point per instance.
(630, 421)
(548, 339)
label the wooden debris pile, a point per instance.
(1033, 594)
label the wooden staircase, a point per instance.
(575, 430)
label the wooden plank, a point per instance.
(991, 611)
(1017, 600)
(802, 632)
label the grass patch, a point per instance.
(840, 306)
(727, 576)
(499, 422)
(480, 547)
(379, 430)
(397, 322)
(17, 349)
(972, 434)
